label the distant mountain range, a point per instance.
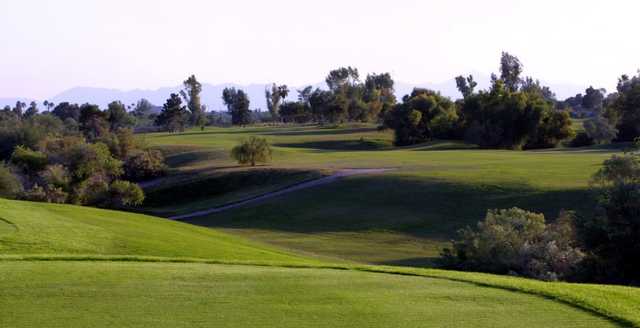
(211, 94)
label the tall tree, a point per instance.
(93, 121)
(593, 99)
(510, 70)
(237, 103)
(32, 110)
(48, 105)
(65, 110)
(275, 97)
(466, 85)
(625, 109)
(379, 95)
(191, 94)
(174, 115)
(19, 108)
(117, 116)
(142, 108)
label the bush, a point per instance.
(10, 185)
(125, 193)
(30, 161)
(56, 176)
(251, 151)
(49, 194)
(144, 165)
(514, 241)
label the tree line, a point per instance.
(516, 112)
(73, 153)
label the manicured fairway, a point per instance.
(111, 294)
(404, 216)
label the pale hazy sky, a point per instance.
(52, 45)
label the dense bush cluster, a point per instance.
(514, 241)
(74, 154)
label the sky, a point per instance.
(49, 46)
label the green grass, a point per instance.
(40, 228)
(404, 216)
(105, 294)
(108, 268)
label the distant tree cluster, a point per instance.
(74, 154)
(347, 99)
(515, 113)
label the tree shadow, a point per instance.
(420, 207)
(340, 145)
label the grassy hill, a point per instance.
(63, 230)
(401, 217)
(104, 268)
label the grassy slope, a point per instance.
(38, 228)
(197, 294)
(404, 216)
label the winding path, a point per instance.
(303, 185)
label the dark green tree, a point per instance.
(275, 97)
(466, 85)
(93, 122)
(510, 70)
(174, 116)
(191, 94)
(237, 103)
(117, 116)
(625, 109)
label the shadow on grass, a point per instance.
(210, 187)
(190, 157)
(340, 145)
(608, 148)
(423, 208)
(418, 262)
(318, 131)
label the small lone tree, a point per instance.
(251, 151)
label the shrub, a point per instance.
(49, 194)
(93, 191)
(251, 151)
(56, 176)
(144, 165)
(30, 161)
(125, 193)
(10, 185)
(518, 242)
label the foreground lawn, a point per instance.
(112, 294)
